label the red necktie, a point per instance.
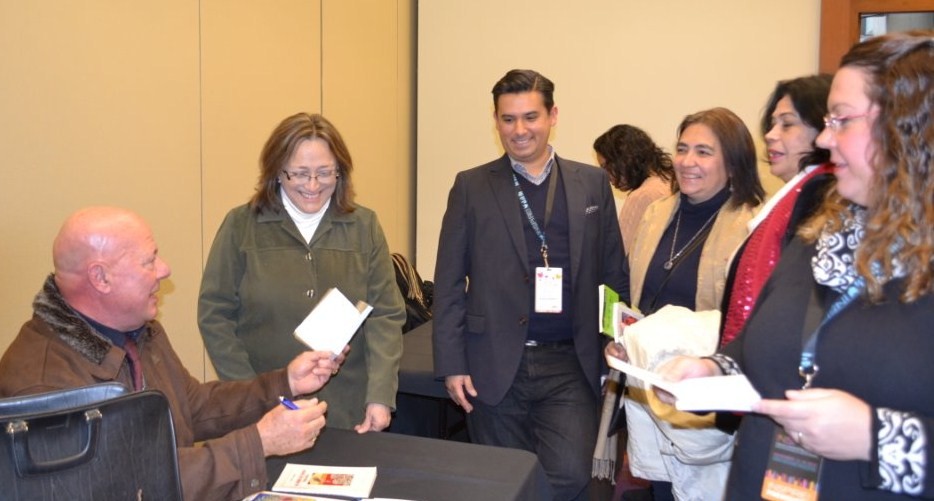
(136, 365)
(761, 254)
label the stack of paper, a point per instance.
(717, 393)
(332, 322)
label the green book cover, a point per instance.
(608, 298)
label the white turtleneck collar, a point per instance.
(306, 223)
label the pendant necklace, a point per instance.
(672, 256)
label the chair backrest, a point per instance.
(65, 445)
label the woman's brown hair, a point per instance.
(280, 146)
(900, 223)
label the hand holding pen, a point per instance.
(291, 426)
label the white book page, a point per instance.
(332, 322)
(717, 393)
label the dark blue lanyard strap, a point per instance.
(808, 367)
(549, 204)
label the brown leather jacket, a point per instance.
(57, 349)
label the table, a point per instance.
(416, 369)
(426, 469)
(423, 407)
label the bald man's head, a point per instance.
(107, 267)
(90, 234)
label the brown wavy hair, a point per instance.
(631, 157)
(900, 71)
(280, 146)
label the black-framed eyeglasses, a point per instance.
(322, 176)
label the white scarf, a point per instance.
(306, 223)
(834, 265)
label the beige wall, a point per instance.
(644, 63)
(369, 92)
(163, 107)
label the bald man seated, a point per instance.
(94, 321)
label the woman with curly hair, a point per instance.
(840, 342)
(638, 168)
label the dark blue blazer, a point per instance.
(480, 330)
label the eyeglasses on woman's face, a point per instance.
(322, 176)
(836, 124)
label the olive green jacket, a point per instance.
(261, 280)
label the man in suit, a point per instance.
(525, 242)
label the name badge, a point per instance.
(792, 473)
(548, 289)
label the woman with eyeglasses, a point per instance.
(840, 343)
(274, 258)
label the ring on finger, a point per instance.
(799, 437)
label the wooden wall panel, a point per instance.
(368, 81)
(99, 105)
(163, 108)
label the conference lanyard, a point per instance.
(808, 368)
(549, 204)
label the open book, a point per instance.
(717, 393)
(344, 481)
(614, 314)
(332, 322)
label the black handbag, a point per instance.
(418, 294)
(91, 443)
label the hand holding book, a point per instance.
(332, 322)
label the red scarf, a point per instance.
(136, 365)
(759, 257)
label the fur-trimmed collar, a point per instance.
(68, 325)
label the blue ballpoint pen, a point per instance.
(288, 403)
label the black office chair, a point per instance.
(91, 443)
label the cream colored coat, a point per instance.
(689, 452)
(728, 232)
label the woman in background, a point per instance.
(863, 269)
(793, 117)
(274, 258)
(642, 173)
(638, 168)
(679, 257)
